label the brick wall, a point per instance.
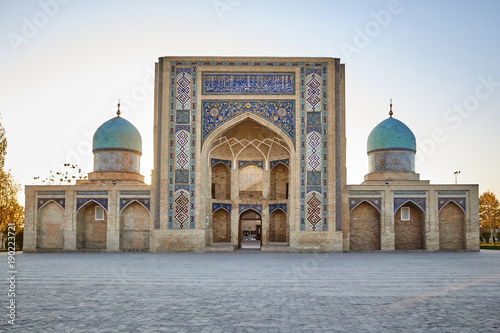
(221, 177)
(364, 228)
(221, 224)
(409, 234)
(50, 227)
(90, 234)
(451, 228)
(134, 227)
(279, 179)
(277, 227)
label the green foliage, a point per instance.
(11, 212)
(489, 212)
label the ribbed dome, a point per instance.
(117, 134)
(391, 134)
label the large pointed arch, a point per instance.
(283, 140)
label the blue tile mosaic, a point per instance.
(182, 117)
(273, 207)
(214, 161)
(217, 112)
(259, 164)
(224, 206)
(274, 163)
(124, 202)
(314, 178)
(101, 201)
(244, 207)
(420, 202)
(461, 202)
(355, 202)
(60, 201)
(182, 176)
(248, 83)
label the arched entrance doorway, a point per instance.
(250, 230)
(249, 160)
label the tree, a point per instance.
(11, 212)
(489, 213)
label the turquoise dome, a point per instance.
(391, 134)
(117, 134)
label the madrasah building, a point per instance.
(250, 152)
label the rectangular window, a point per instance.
(99, 213)
(405, 213)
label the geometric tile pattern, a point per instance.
(181, 208)
(313, 152)
(314, 119)
(101, 201)
(60, 201)
(420, 202)
(313, 84)
(214, 161)
(272, 164)
(314, 178)
(461, 202)
(279, 112)
(273, 207)
(182, 150)
(243, 207)
(124, 202)
(182, 156)
(313, 211)
(355, 202)
(182, 117)
(259, 164)
(183, 81)
(181, 176)
(226, 207)
(248, 83)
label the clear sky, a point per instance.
(65, 63)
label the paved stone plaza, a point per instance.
(250, 291)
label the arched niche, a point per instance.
(91, 232)
(451, 227)
(221, 182)
(221, 226)
(251, 181)
(409, 234)
(50, 226)
(134, 227)
(364, 228)
(278, 227)
(279, 182)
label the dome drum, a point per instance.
(391, 161)
(117, 161)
